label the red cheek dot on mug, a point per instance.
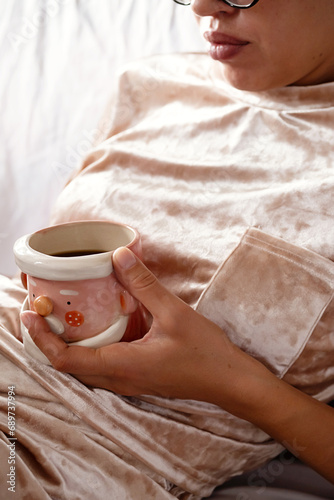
(74, 318)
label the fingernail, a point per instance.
(124, 258)
(27, 320)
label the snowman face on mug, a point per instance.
(76, 310)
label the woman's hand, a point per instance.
(183, 355)
(186, 356)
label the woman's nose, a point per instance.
(43, 305)
(211, 7)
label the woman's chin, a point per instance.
(247, 80)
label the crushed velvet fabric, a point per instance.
(232, 194)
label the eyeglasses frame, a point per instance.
(254, 2)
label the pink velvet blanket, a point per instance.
(232, 194)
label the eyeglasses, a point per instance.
(238, 4)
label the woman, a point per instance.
(223, 165)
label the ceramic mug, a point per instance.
(67, 270)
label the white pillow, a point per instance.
(58, 63)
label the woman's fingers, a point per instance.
(141, 283)
(117, 366)
(121, 367)
(40, 332)
(183, 355)
(65, 358)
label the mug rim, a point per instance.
(42, 264)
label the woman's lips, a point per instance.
(223, 47)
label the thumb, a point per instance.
(140, 282)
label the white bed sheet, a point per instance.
(58, 62)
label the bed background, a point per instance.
(59, 59)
